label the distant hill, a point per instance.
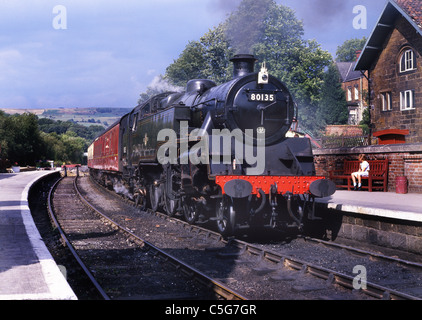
(84, 116)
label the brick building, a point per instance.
(355, 85)
(393, 58)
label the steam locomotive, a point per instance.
(215, 153)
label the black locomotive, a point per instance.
(215, 152)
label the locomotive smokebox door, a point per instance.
(238, 188)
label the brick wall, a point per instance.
(403, 159)
(413, 170)
(344, 130)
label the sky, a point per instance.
(104, 53)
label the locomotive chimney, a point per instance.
(243, 64)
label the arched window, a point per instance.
(407, 60)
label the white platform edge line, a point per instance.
(55, 280)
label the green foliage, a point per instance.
(21, 140)
(217, 55)
(207, 58)
(333, 104)
(366, 121)
(190, 65)
(65, 141)
(64, 148)
(347, 51)
(25, 139)
(61, 127)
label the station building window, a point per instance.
(407, 100)
(386, 101)
(407, 60)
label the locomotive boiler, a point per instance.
(215, 153)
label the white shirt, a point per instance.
(364, 166)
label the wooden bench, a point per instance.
(377, 179)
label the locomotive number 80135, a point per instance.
(262, 97)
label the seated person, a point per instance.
(363, 171)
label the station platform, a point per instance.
(27, 269)
(383, 204)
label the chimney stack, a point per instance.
(243, 64)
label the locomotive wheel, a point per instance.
(190, 211)
(170, 205)
(226, 216)
(171, 186)
(155, 193)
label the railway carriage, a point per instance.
(215, 153)
(103, 153)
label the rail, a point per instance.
(69, 244)
(218, 287)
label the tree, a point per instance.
(217, 55)
(3, 142)
(21, 138)
(74, 147)
(366, 121)
(22, 141)
(190, 65)
(64, 148)
(347, 51)
(207, 58)
(333, 104)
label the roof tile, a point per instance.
(413, 8)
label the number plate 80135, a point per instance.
(262, 97)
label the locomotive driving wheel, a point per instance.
(170, 203)
(171, 187)
(226, 216)
(190, 211)
(155, 193)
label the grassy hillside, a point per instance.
(84, 116)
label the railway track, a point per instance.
(120, 264)
(271, 272)
(262, 271)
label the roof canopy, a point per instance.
(409, 9)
